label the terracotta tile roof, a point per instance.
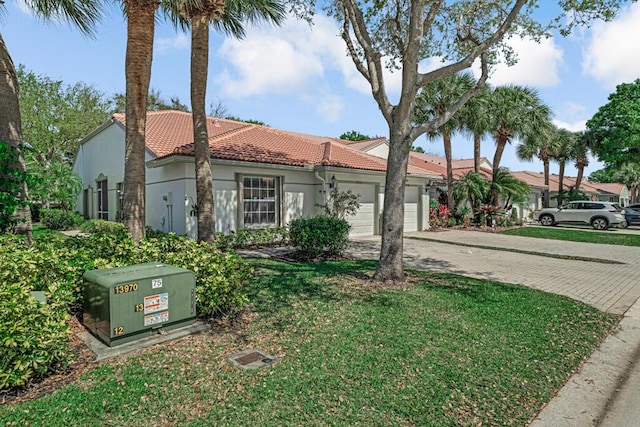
(460, 171)
(171, 133)
(533, 179)
(610, 187)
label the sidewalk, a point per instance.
(605, 390)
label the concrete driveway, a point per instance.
(608, 287)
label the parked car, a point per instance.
(635, 206)
(600, 215)
(631, 216)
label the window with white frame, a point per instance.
(103, 199)
(260, 201)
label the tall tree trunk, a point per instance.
(561, 176)
(391, 250)
(579, 177)
(446, 138)
(11, 133)
(477, 138)
(204, 181)
(140, 32)
(500, 145)
(545, 166)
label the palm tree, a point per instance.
(436, 100)
(475, 119)
(583, 144)
(629, 175)
(227, 17)
(541, 145)
(472, 187)
(510, 188)
(81, 13)
(141, 15)
(515, 112)
(564, 151)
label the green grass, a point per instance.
(40, 230)
(442, 351)
(610, 237)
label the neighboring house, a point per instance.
(262, 177)
(612, 192)
(535, 201)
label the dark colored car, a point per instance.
(632, 216)
(635, 206)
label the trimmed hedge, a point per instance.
(319, 235)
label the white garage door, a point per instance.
(411, 195)
(362, 221)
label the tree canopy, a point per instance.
(401, 35)
(354, 135)
(56, 115)
(616, 126)
(155, 102)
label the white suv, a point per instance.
(601, 215)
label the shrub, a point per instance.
(319, 236)
(103, 226)
(247, 238)
(35, 337)
(220, 277)
(59, 219)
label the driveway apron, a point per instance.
(609, 287)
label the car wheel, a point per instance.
(624, 224)
(600, 223)
(546, 220)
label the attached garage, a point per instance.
(362, 223)
(411, 208)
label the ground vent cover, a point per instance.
(251, 359)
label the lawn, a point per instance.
(440, 350)
(611, 237)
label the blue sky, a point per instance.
(299, 78)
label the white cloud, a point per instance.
(293, 58)
(179, 42)
(538, 64)
(280, 60)
(611, 55)
(571, 126)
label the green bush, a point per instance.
(246, 238)
(59, 219)
(319, 236)
(35, 336)
(103, 226)
(220, 277)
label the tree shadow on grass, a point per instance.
(277, 284)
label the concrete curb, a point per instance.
(585, 399)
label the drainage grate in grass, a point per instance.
(251, 359)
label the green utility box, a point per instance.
(128, 303)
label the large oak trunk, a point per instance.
(11, 132)
(199, 70)
(140, 31)
(391, 250)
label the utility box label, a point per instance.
(156, 283)
(153, 303)
(154, 319)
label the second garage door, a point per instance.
(362, 222)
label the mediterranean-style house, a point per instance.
(262, 177)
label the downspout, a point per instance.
(324, 187)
